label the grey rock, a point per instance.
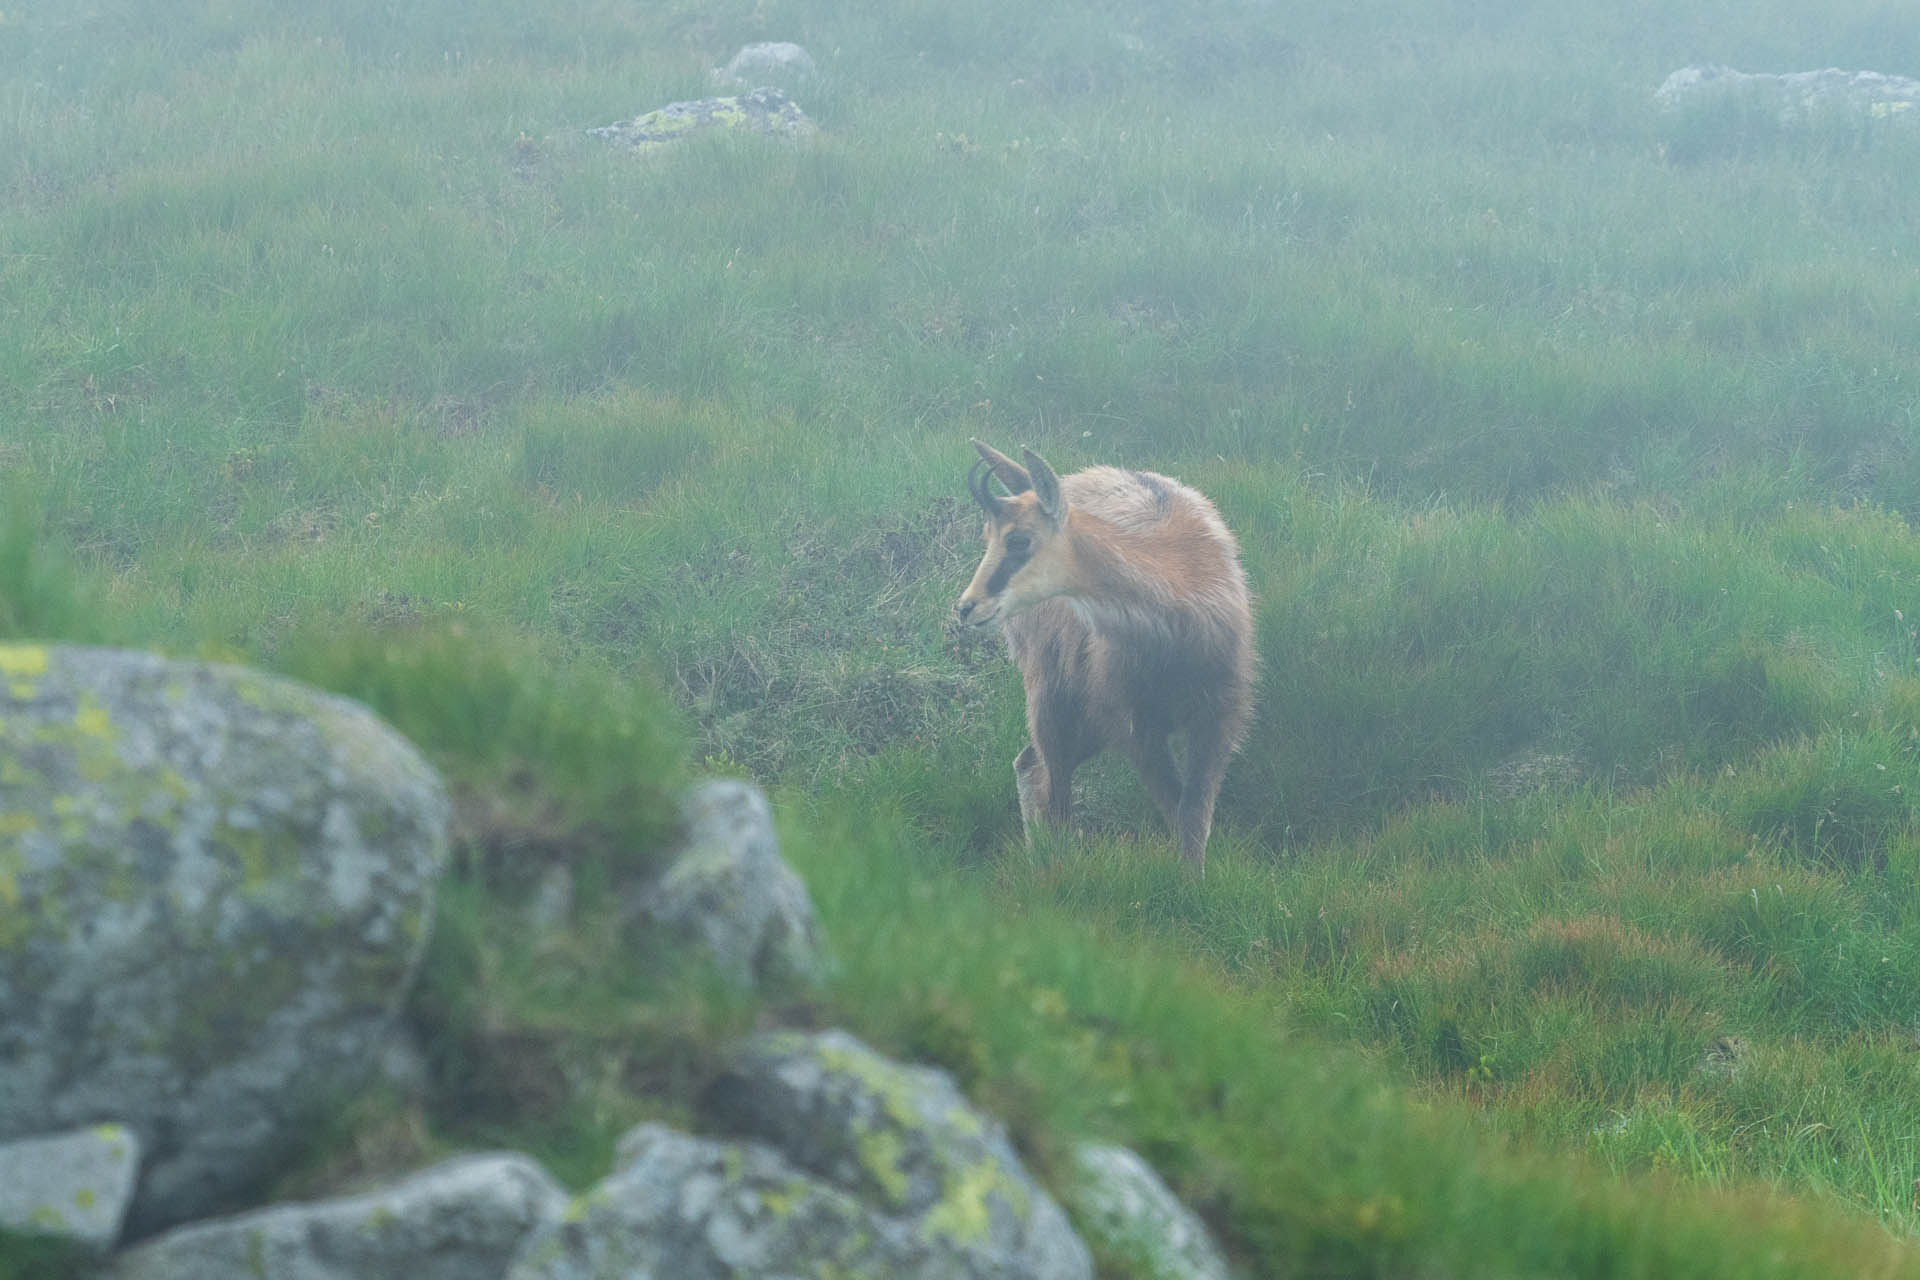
(551, 906)
(776, 60)
(903, 1139)
(1796, 97)
(217, 886)
(727, 896)
(1123, 1205)
(1537, 768)
(464, 1219)
(763, 111)
(75, 1186)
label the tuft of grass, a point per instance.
(42, 594)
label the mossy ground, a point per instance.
(1570, 444)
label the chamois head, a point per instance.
(1025, 561)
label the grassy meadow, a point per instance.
(1562, 915)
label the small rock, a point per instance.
(769, 59)
(75, 1186)
(1534, 769)
(460, 1220)
(728, 896)
(1125, 1207)
(764, 111)
(1796, 96)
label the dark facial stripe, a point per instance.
(1010, 564)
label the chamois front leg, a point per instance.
(1208, 747)
(1030, 781)
(1046, 791)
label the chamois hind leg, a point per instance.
(1153, 761)
(1208, 747)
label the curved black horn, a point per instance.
(981, 488)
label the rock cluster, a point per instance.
(216, 886)
(838, 1162)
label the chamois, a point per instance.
(1123, 603)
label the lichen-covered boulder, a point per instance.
(698, 1209)
(214, 888)
(1124, 1206)
(460, 1220)
(74, 1186)
(903, 1139)
(727, 899)
(777, 60)
(763, 111)
(703, 1209)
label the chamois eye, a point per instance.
(1018, 544)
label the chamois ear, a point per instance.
(1005, 469)
(1046, 486)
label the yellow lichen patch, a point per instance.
(22, 661)
(880, 1153)
(885, 1079)
(780, 1203)
(85, 1198)
(963, 1214)
(11, 861)
(92, 719)
(250, 847)
(963, 1121)
(86, 740)
(72, 822)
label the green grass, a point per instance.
(1561, 903)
